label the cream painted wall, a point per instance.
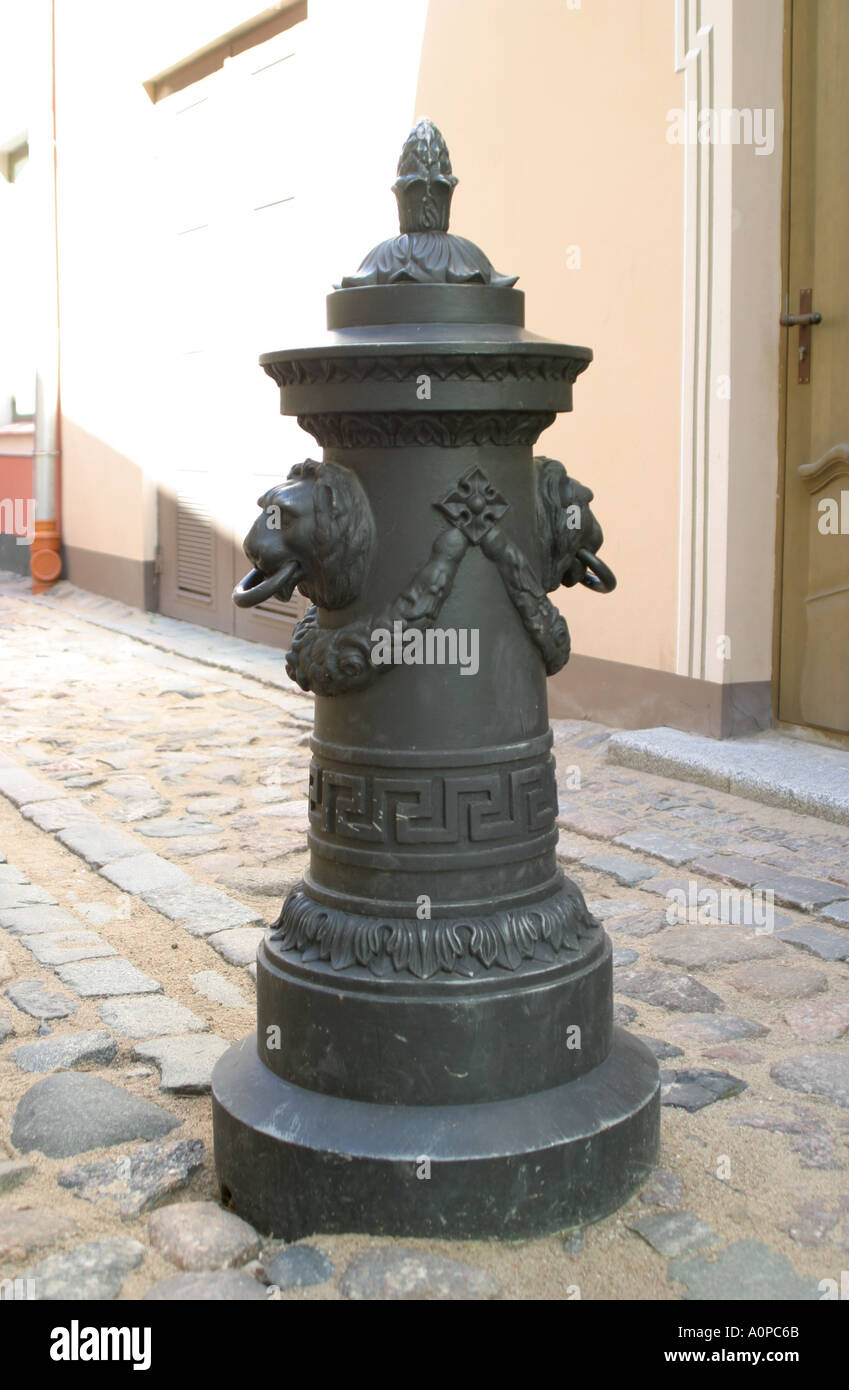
(555, 118)
(159, 355)
(755, 345)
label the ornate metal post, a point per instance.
(435, 1051)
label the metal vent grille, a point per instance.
(194, 548)
(290, 611)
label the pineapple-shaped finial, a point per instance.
(425, 182)
(425, 252)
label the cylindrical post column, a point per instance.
(435, 988)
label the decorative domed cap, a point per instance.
(425, 182)
(424, 252)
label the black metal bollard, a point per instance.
(435, 1053)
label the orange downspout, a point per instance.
(45, 557)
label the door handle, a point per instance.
(804, 321)
(794, 320)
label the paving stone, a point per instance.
(6, 1026)
(144, 872)
(199, 1235)
(709, 1028)
(239, 945)
(214, 986)
(13, 1174)
(225, 771)
(733, 1052)
(209, 804)
(670, 848)
(663, 1189)
(694, 947)
(66, 1050)
(172, 827)
(134, 1183)
(61, 947)
(6, 969)
(215, 1286)
(662, 1050)
(218, 862)
(58, 814)
(818, 941)
(815, 1075)
(193, 846)
(20, 788)
(287, 811)
(675, 1232)
(638, 924)
(199, 909)
(131, 812)
(267, 793)
(93, 1271)
(695, 1087)
(299, 1267)
(574, 1244)
(810, 1135)
(268, 882)
(623, 1014)
(745, 1270)
(623, 956)
(836, 912)
(9, 874)
(34, 998)
(573, 847)
(777, 982)
(70, 1112)
(402, 1274)
(99, 844)
(626, 871)
(27, 921)
(597, 824)
(185, 1063)
(734, 868)
(679, 992)
(15, 895)
(33, 1228)
(131, 789)
(805, 893)
(813, 1221)
(95, 978)
(149, 1016)
(821, 1019)
(672, 889)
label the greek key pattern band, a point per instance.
(473, 806)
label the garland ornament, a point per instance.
(333, 661)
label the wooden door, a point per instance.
(813, 680)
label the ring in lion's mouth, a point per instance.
(256, 587)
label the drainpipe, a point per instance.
(45, 559)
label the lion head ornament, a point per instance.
(569, 534)
(316, 532)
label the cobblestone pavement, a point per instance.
(152, 817)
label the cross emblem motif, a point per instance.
(474, 505)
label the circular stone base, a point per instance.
(295, 1162)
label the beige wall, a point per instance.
(555, 114)
(556, 118)
(754, 465)
(160, 335)
(556, 122)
